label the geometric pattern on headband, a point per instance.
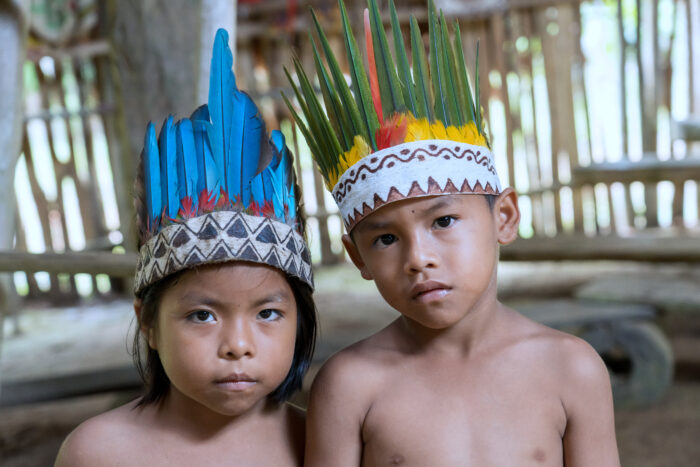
(219, 237)
(415, 169)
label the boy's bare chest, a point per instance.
(464, 418)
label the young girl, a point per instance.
(223, 296)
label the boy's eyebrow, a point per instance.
(369, 225)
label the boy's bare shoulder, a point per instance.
(104, 440)
(368, 359)
(570, 360)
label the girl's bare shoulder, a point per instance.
(113, 438)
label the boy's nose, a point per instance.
(237, 341)
(419, 255)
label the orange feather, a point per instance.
(373, 80)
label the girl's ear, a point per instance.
(146, 331)
(355, 257)
(507, 216)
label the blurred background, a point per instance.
(593, 111)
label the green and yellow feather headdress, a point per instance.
(420, 124)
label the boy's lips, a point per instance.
(236, 382)
(428, 290)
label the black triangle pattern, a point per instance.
(223, 236)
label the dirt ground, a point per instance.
(663, 434)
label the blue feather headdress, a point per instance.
(215, 188)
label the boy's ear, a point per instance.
(355, 257)
(507, 216)
(146, 331)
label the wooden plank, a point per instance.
(72, 385)
(649, 170)
(567, 312)
(120, 265)
(665, 292)
(578, 247)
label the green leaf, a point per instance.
(476, 94)
(407, 86)
(311, 120)
(346, 98)
(307, 134)
(334, 109)
(424, 95)
(360, 84)
(389, 89)
(436, 66)
(464, 76)
(454, 99)
(319, 117)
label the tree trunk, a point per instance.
(13, 34)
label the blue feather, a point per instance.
(151, 167)
(283, 177)
(210, 172)
(254, 134)
(222, 88)
(187, 160)
(168, 168)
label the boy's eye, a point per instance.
(385, 240)
(444, 221)
(269, 315)
(201, 316)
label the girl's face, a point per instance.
(225, 335)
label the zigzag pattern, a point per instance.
(410, 170)
(219, 237)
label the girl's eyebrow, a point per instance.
(278, 296)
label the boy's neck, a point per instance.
(477, 327)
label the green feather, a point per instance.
(315, 150)
(450, 74)
(360, 84)
(389, 89)
(407, 86)
(464, 76)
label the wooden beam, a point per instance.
(118, 265)
(577, 247)
(648, 170)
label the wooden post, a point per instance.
(13, 34)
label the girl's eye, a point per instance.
(444, 221)
(269, 315)
(385, 240)
(201, 316)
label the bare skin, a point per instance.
(155, 436)
(459, 379)
(225, 336)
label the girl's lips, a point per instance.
(236, 382)
(236, 385)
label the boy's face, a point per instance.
(225, 335)
(433, 258)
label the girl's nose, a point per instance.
(237, 340)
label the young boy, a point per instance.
(459, 379)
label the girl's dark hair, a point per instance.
(153, 374)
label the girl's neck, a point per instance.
(189, 418)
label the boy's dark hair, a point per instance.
(491, 200)
(153, 374)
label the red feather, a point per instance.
(188, 208)
(373, 80)
(207, 201)
(392, 132)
